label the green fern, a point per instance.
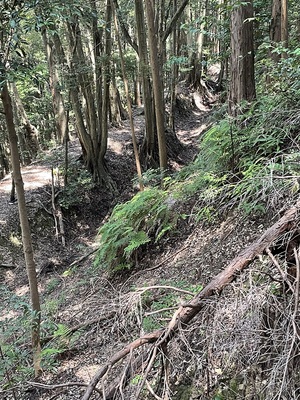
(146, 217)
(137, 240)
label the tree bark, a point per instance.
(106, 80)
(155, 64)
(149, 140)
(31, 133)
(242, 83)
(125, 81)
(93, 143)
(60, 114)
(25, 228)
(174, 19)
(284, 26)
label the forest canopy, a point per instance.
(161, 124)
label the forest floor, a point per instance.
(73, 293)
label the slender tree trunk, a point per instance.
(275, 28)
(157, 86)
(97, 34)
(174, 75)
(284, 26)
(114, 100)
(137, 85)
(25, 228)
(4, 164)
(31, 132)
(24, 150)
(242, 84)
(61, 117)
(106, 80)
(196, 56)
(125, 80)
(150, 123)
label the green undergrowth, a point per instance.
(251, 164)
(146, 217)
(15, 337)
(161, 306)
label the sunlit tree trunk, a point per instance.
(279, 27)
(114, 99)
(82, 91)
(174, 73)
(61, 117)
(197, 42)
(242, 82)
(31, 133)
(284, 26)
(25, 228)
(149, 140)
(106, 80)
(125, 81)
(137, 85)
(157, 86)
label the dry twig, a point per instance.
(185, 314)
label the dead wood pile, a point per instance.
(159, 339)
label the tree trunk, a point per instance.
(106, 80)
(156, 71)
(93, 143)
(148, 147)
(97, 37)
(125, 81)
(284, 26)
(275, 28)
(31, 133)
(196, 57)
(137, 85)
(25, 228)
(174, 73)
(242, 83)
(4, 164)
(61, 117)
(116, 119)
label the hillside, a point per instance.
(239, 344)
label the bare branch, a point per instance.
(185, 314)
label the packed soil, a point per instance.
(105, 311)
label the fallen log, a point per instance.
(187, 312)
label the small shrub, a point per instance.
(146, 217)
(79, 182)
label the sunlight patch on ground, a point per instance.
(10, 277)
(115, 146)
(8, 314)
(33, 177)
(86, 373)
(21, 290)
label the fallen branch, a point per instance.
(149, 338)
(57, 386)
(185, 314)
(82, 258)
(8, 266)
